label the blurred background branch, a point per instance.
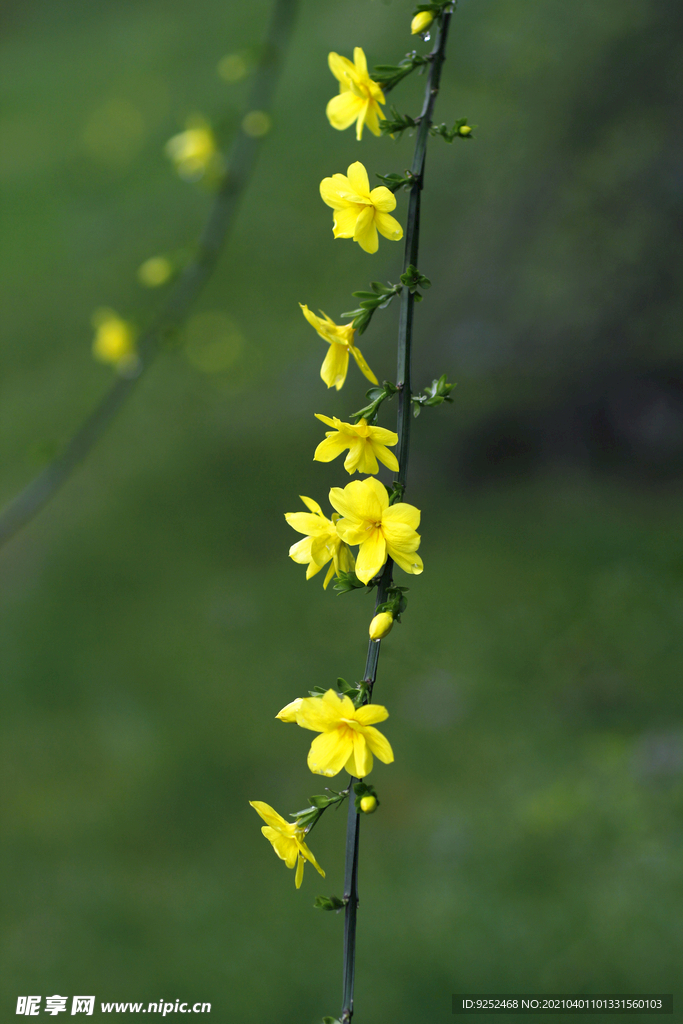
(183, 294)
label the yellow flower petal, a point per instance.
(330, 448)
(362, 365)
(305, 522)
(313, 505)
(401, 537)
(301, 551)
(291, 710)
(363, 756)
(330, 751)
(345, 220)
(385, 456)
(335, 366)
(369, 714)
(361, 64)
(299, 877)
(383, 200)
(360, 457)
(330, 574)
(331, 421)
(309, 856)
(402, 512)
(320, 714)
(411, 562)
(372, 118)
(366, 232)
(270, 816)
(344, 109)
(359, 501)
(383, 436)
(286, 848)
(334, 191)
(388, 226)
(341, 67)
(358, 179)
(372, 555)
(378, 744)
(377, 489)
(313, 569)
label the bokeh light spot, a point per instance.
(213, 342)
(256, 124)
(233, 67)
(114, 133)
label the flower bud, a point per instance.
(368, 804)
(421, 22)
(290, 711)
(381, 625)
(464, 129)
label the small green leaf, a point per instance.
(329, 903)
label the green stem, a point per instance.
(182, 296)
(405, 333)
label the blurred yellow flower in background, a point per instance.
(340, 339)
(359, 97)
(366, 445)
(287, 840)
(194, 152)
(114, 340)
(358, 212)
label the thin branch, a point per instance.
(182, 296)
(405, 333)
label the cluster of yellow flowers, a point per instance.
(363, 516)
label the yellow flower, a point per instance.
(193, 151)
(359, 213)
(348, 738)
(114, 340)
(340, 339)
(366, 445)
(359, 97)
(321, 544)
(368, 804)
(421, 22)
(381, 625)
(379, 528)
(287, 839)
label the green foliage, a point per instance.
(395, 603)
(329, 903)
(436, 393)
(348, 581)
(397, 123)
(377, 395)
(460, 130)
(412, 279)
(389, 75)
(396, 181)
(379, 298)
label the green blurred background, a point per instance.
(530, 836)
